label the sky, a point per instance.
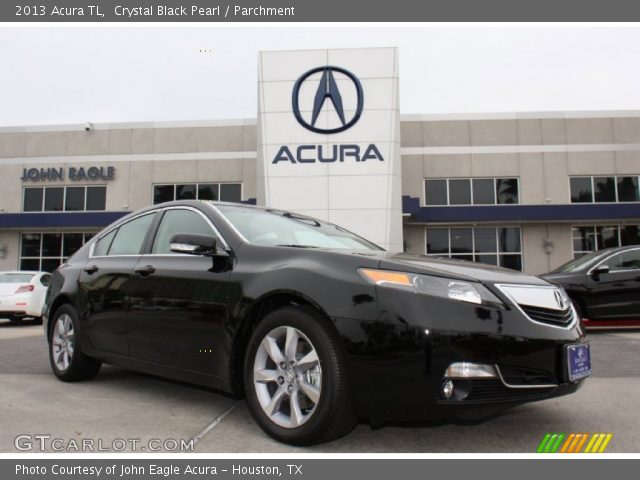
(61, 75)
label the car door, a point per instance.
(105, 280)
(616, 295)
(181, 303)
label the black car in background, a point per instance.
(316, 326)
(604, 286)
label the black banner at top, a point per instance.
(319, 10)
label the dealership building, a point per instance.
(527, 191)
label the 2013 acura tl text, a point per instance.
(316, 326)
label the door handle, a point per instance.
(145, 271)
(92, 269)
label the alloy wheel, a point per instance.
(63, 342)
(287, 377)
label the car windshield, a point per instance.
(15, 277)
(278, 228)
(582, 263)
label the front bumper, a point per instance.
(398, 362)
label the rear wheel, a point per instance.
(68, 362)
(296, 378)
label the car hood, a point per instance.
(562, 277)
(458, 269)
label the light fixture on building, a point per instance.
(547, 246)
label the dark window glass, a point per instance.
(72, 243)
(27, 264)
(485, 240)
(53, 198)
(487, 259)
(630, 235)
(460, 192)
(436, 192)
(628, 189)
(179, 221)
(163, 193)
(507, 190)
(438, 241)
(96, 198)
(185, 192)
(583, 239)
(624, 261)
(484, 191)
(513, 262)
(509, 239)
(605, 189)
(230, 192)
(88, 236)
(607, 237)
(130, 236)
(74, 201)
(51, 244)
(102, 245)
(30, 245)
(581, 190)
(50, 264)
(461, 240)
(208, 192)
(33, 199)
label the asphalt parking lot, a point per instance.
(135, 408)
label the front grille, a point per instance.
(560, 318)
(521, 377)
(485, 391)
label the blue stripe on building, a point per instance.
(518, 213)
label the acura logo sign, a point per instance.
(327, 92)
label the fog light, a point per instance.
(470, 370)
(447, 389)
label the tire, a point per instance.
(68, 362)
(319, 388)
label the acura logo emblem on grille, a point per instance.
(559, 299)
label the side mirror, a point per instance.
(194, 244)
(599, 270)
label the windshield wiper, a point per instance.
(295, 245)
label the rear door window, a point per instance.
(130, 236)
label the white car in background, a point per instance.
(22, 294)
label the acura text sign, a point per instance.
(329, 138)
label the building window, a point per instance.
(608, 189)
(490, 245)
(46, 251)
(64, 199)
(588, 238)
(224, 192)
(471, 191)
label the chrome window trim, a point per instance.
(517, 305)
(611, 256)
(520, 387)
(176, 207)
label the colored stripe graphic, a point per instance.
(554, 442)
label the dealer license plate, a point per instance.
(578, 361)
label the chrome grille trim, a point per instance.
(540, 297)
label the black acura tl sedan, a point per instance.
(315, 326)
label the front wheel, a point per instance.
(296, 378)
(68, 362)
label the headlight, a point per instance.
(471, 292)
